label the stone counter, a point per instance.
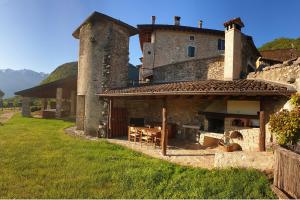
(263, 161)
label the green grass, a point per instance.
(38, 160)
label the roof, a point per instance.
(280, 54)
(179, 28)
(145, 30)
(234, 21)
(247, 87)
(48, 90)
(95, 16)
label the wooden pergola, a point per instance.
(164, 115)
(61, 89)
(208, 89)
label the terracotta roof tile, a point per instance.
(207, 87)
(234, 21)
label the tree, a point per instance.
(1, 94)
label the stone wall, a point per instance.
(171, 46)
(103, 64)
(250, 139)
(286, 73)
(249, 55)
(196, 69)
(179, 110)
(263, 161)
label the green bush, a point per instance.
(286, 125)
(35, 108)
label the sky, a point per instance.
(37, 34)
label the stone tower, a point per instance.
(103, 64)
(233, 49)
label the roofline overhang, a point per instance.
(53, 84)
(197, 93)
(96, 16)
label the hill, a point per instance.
(281, 43)
(62, 71)
(71, 69)
(12, 81)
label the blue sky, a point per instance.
(36, 34)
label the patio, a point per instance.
(179, 152)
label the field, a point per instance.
(38, 160)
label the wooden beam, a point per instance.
(211, 97)
(229, 115)
(225, 98)
(164, 129)
(280, 194)
(262, 135)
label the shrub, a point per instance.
(35, 108)
(286, 126)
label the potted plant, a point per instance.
(226, 143)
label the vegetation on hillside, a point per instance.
(62, 71)
(38, 160)
(1, 94)
(281, 43)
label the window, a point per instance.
(192, 38)
(191, 51)
(221, 44)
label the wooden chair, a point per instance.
(146, 137)
(133, 134)
(157, 139)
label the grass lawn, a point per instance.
(37, 160)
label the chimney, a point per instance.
(153, 19)
(233, 49)
(177, 20)
(200, 23)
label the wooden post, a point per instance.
(109, 133)
(262, 135)
(164, 129)
(59, 102)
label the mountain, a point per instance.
(62, 71)
(281, 43)
(15, 80)
(71, 69)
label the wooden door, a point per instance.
(118, 122)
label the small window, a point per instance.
(221, 44)
(192, 38)
(191, 51)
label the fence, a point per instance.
(287, 172)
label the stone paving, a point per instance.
(193, 154)
(187, 154)
(178, 152)
(6, 115)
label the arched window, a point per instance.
(191, 51)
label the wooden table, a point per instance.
(147, 131)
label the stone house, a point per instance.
(190, 78)
(169, 44)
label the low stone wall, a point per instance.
(196, 69)
(258, 160)
(248, 143)
(286, 73)
(250, 139)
